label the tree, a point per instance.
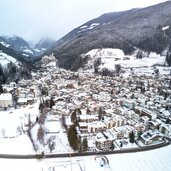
(40, 134)
(1, 89)
(51, 143)
(41, 107)
(88, 111)
(84, 144)
(100, 113)
(117, 68)
(2, 75)
(97, 62)
(106, 72)
(168, 58)
(132, 137)
(139, 134)
(13, 68)
(74, 117)
(156, 71)
(3, 132)
(139, 55)
(112, 145)
(1, 70)
(167, 121)
(44, 91)
(29, 121)
(63, 121)
(51, 102)
(72, 137)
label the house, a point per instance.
(154, 124)
(103, 140)
(110, 122)
(122, 131)
(6, 100)
(88, 118)
(96, 126)
(151, 136)
(83, 127)
(129, 104)
(149, 113)
(144, 119)
(165, 129)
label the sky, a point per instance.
(36, 19)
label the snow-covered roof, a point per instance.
(103, 136)
(6, 96)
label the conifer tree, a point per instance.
(72, 137)
(85, 144)
(74, 117)
(132, 137)
(100, 113)
(51, 103)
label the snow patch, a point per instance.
(165, 28)
(92, 26)
(83, 27)
(25, 54)
(5, 44)
(28, 51)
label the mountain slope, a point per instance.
(8, 49)
(127, 30)
(19, 45)
(26, 50)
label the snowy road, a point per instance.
(153, 160)
(65, 155)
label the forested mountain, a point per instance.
(147, 29)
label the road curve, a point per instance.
(77, 154)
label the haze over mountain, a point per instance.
(44, 43)
(146, 28)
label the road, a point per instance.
(76, 154)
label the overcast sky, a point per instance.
(34, 19)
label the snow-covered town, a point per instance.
(104, 110)
(85, 85)
(60, 111)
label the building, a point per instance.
(6, 100)
(103, 141)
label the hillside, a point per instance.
(127, 30)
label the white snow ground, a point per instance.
(110, 57)
(12, 126)
(154, 160)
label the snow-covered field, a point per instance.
(111, 57)
(55, 132)
(13, 138)
(154, 160)
(21, 144)
(5, 59)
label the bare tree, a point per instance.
(51, 143)
(40, 134)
